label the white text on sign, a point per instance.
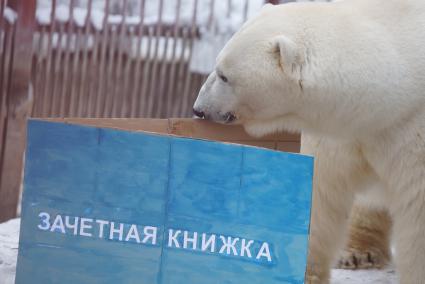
(211, 243)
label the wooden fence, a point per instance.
(69, 66)
(52, 67)
(119, 69)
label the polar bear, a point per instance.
(350, 75)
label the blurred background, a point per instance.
(103, 58)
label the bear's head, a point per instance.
(311, 67)
(258, 78)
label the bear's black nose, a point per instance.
(199, 113)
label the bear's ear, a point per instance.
(288, 54)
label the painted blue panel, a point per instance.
(269, 183)
(110, 206)
(204, 178)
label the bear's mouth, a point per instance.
(227, 118)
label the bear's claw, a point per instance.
(358, 259)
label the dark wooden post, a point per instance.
(18, 103)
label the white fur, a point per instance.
(351, 76)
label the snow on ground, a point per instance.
(9, 237)
(386, 276)
(9, 234)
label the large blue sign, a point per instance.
(110, 206)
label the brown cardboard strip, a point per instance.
(288, 146)
(194, 128)
(132, 124)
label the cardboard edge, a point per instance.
(190, 128)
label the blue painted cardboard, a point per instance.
(110, 206)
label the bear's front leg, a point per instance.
(368, 244)
(330, 211)
(398, 157)
(339, 171)
(408, 209)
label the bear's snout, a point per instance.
(228, 117)
(198, 113)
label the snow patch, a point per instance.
(385, 276)
(10, 15)
(9, 238)
(216, 21)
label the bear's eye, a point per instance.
(223, 78)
